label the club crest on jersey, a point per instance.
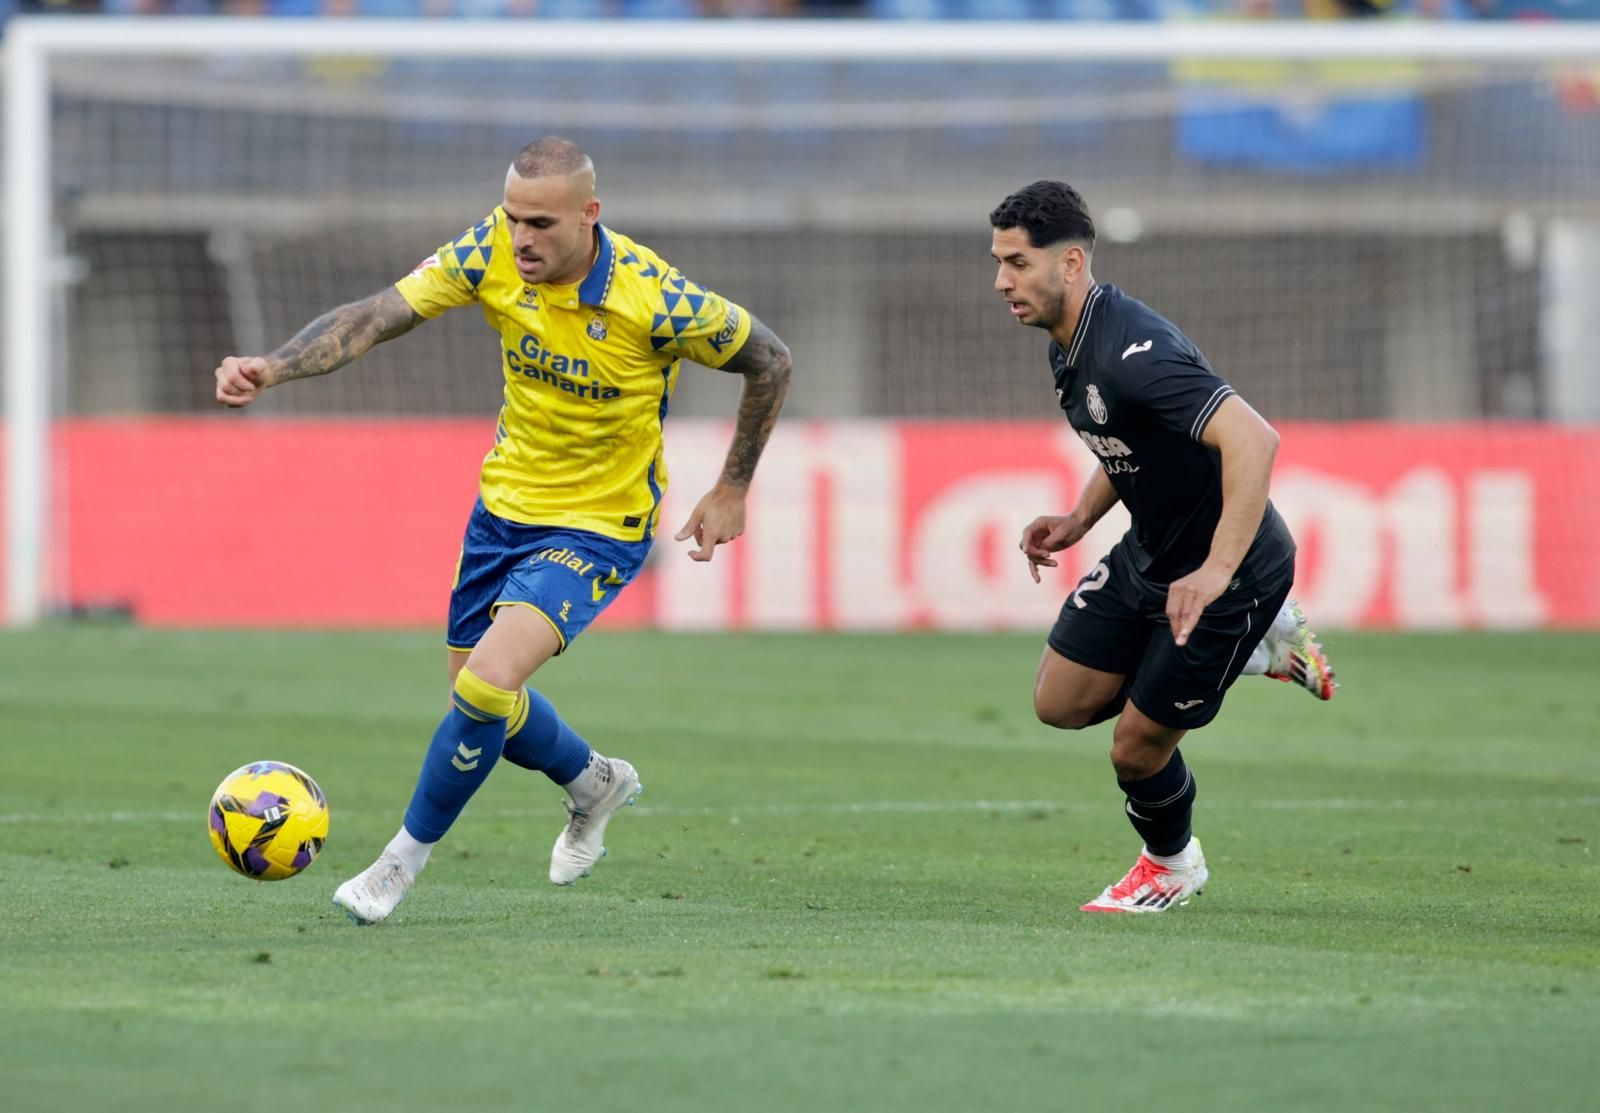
(1097, 405)
(529, 298)
(597, 327)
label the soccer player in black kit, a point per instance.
(1196, 592)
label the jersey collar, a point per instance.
(1079, 333)
(597, 284)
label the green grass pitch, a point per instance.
(851, 884)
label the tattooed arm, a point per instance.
(326, 344)
(764, 362)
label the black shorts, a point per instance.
(1116, 621)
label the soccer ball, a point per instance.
(268, 820)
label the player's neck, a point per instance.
(1067, 327)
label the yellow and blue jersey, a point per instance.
(589, 371)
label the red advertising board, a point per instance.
(851, 525)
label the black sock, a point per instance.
(1159, 807)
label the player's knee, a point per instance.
(1134, 765)
(492, 670)
(1135, 755)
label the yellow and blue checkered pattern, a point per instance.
(683, 306)
(469, 256)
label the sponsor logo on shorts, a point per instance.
(566, 558)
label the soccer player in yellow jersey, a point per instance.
(592, 327)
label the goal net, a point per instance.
(1388, 239)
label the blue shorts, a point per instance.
(567, 575)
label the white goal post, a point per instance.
(33, 46)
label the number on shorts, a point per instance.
(1094, 581)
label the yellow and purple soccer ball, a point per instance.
(268, 820)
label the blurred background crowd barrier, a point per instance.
(1395, 257)
(1087, 10)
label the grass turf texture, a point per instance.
(852, 884)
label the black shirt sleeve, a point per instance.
(1177, 391)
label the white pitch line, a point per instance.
(887, 807)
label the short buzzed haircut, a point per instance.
(550, 156)
(1050, 212)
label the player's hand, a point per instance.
(1049, 533)
(1190, 596)
(241, 379)
(717, 519)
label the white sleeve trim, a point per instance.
(1203, 418)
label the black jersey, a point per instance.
(1140, 395)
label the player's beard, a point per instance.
(1050, 309)
(579, 257)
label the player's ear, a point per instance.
(591, 212)
(1073, 262)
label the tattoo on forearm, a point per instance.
(342, 334)
(765, 363)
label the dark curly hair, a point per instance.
(1050, 212)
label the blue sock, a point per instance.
(537, 738)
(464, 750)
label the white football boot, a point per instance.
(369, 896)
(1151, 886)
(1295, 656)
(581, 842)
